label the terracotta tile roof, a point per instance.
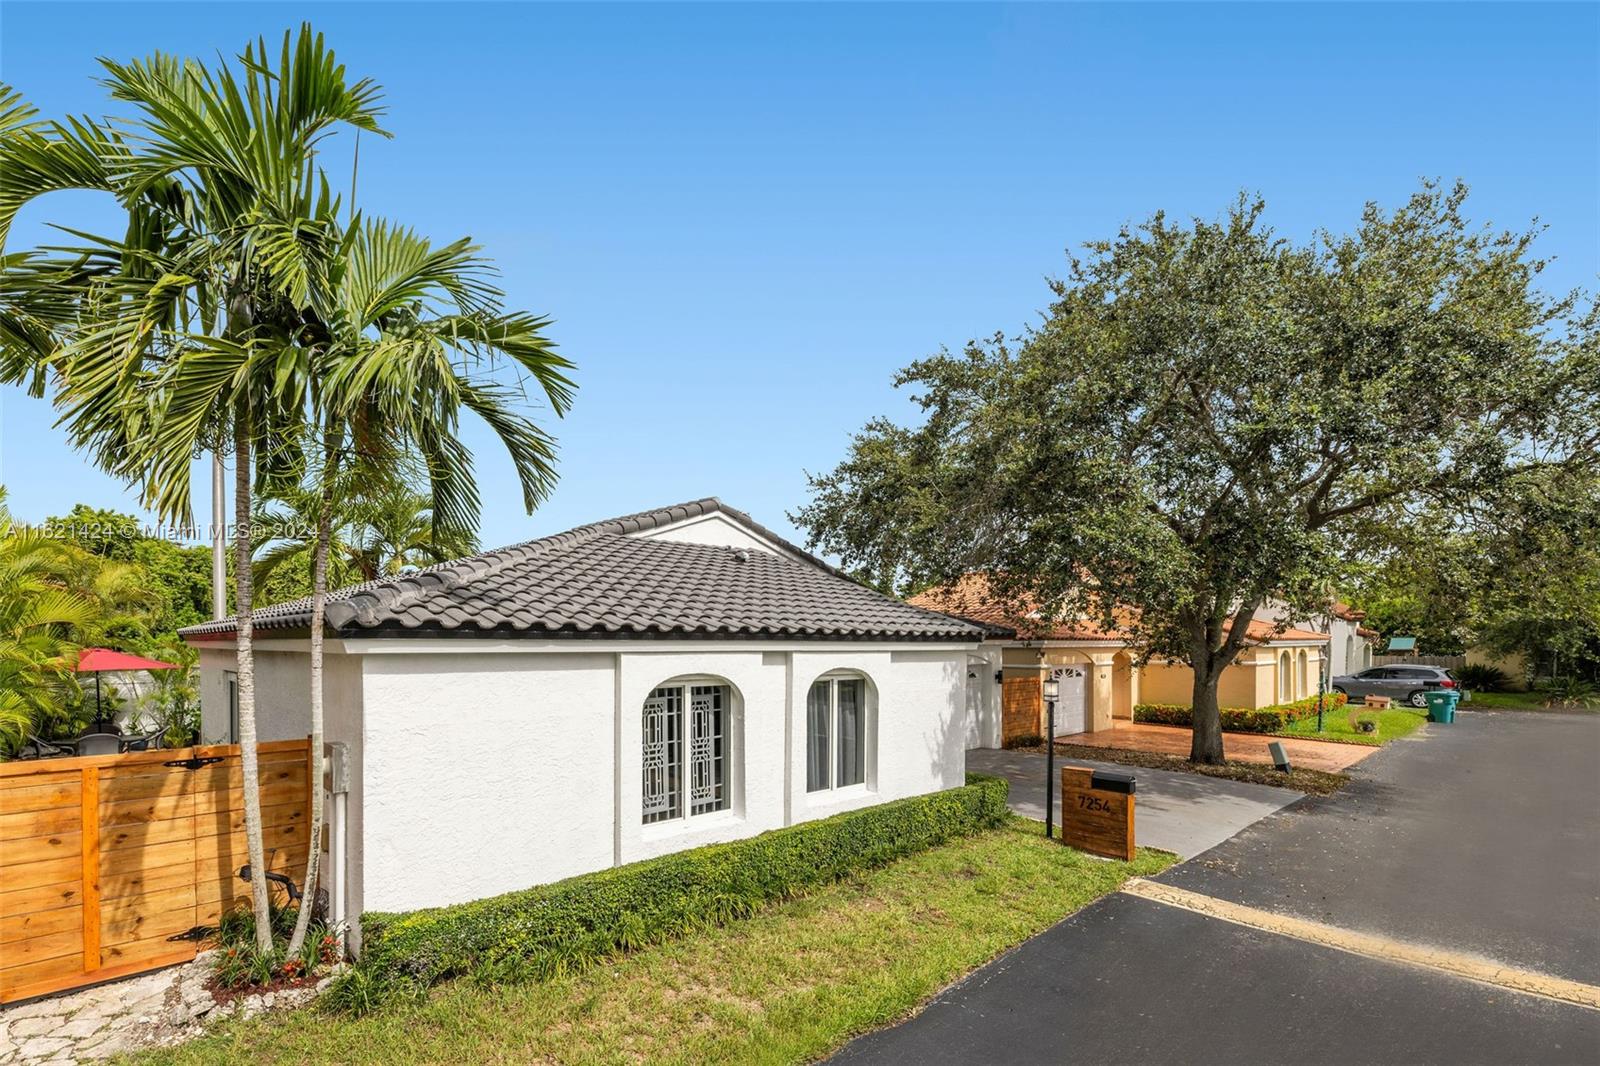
(596, 581)
(974, 599)
(1261, 632)
(1347, 613)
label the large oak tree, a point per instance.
(1211, 415)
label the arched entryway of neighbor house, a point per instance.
(1124, 686)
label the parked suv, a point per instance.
(1403, 684)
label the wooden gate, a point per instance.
(114, 864)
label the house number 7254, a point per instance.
(1092, 803)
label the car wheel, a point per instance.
(1418, 699)
(1340, 690)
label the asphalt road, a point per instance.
(1482, 837)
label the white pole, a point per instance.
(219, 537)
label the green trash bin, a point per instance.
(1441, 705)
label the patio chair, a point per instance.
(39, 748)
(143, 741)
(99, 744)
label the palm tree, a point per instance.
(54, 599)
(173, 339)
(38, 614)
(383, 526)
(415, 334)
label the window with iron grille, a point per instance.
(836, 733)
(685, 751)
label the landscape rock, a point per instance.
(152, 1010)
(38, 1048)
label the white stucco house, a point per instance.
(1349, 642)
(629, 688)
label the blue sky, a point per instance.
(745, 218)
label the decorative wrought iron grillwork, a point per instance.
(671, 714)
(706, 764)
(663, 754)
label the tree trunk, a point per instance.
(1206, 745)
(319, 597)
(242, 548)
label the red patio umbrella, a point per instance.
(97, 661)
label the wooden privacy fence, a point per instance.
(1449, 662)
(115, 864)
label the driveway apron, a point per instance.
(1185, 814)
(1481, 838)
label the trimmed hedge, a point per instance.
(1242, 719)
(557, 928)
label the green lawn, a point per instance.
(1513, 701)
(1395, 722)
(788, 985)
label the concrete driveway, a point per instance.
(1480, 847)
(1182, 813)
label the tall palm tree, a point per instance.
(413, 335)
(382, 526)
(174, 338)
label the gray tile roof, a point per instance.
(597, 582)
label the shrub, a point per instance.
(1568, 692)
(1481, 677)
(240, 962)
(560, 928)
(1024, 740)
(1242, 719)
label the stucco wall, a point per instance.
(1249, 682)
(983, 699)
(483, 773)
(1514, 664)
(478, 773)
(716, 528)
(283, 682)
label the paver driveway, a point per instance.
(1483, 840)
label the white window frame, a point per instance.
(867, 741)
(681, 730)
(1285, 677)
(1302, 675)
(230, 697)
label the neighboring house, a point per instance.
(1100, 680)
(1350, 643)
(625, 689)
(1514, 664)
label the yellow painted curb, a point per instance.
(1470, 967)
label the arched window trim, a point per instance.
(840, 741)
(1302, 673)
(1285, 679)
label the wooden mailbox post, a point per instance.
(1097, 811)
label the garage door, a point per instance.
(1069, 705)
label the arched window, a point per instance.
(686, 740)
(1304, 676)
(1284, 679)
(836, 732)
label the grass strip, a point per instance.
(790, 984)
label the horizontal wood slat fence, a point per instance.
(1449, 662)
(108, 861)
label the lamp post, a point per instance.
(1052, 690)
